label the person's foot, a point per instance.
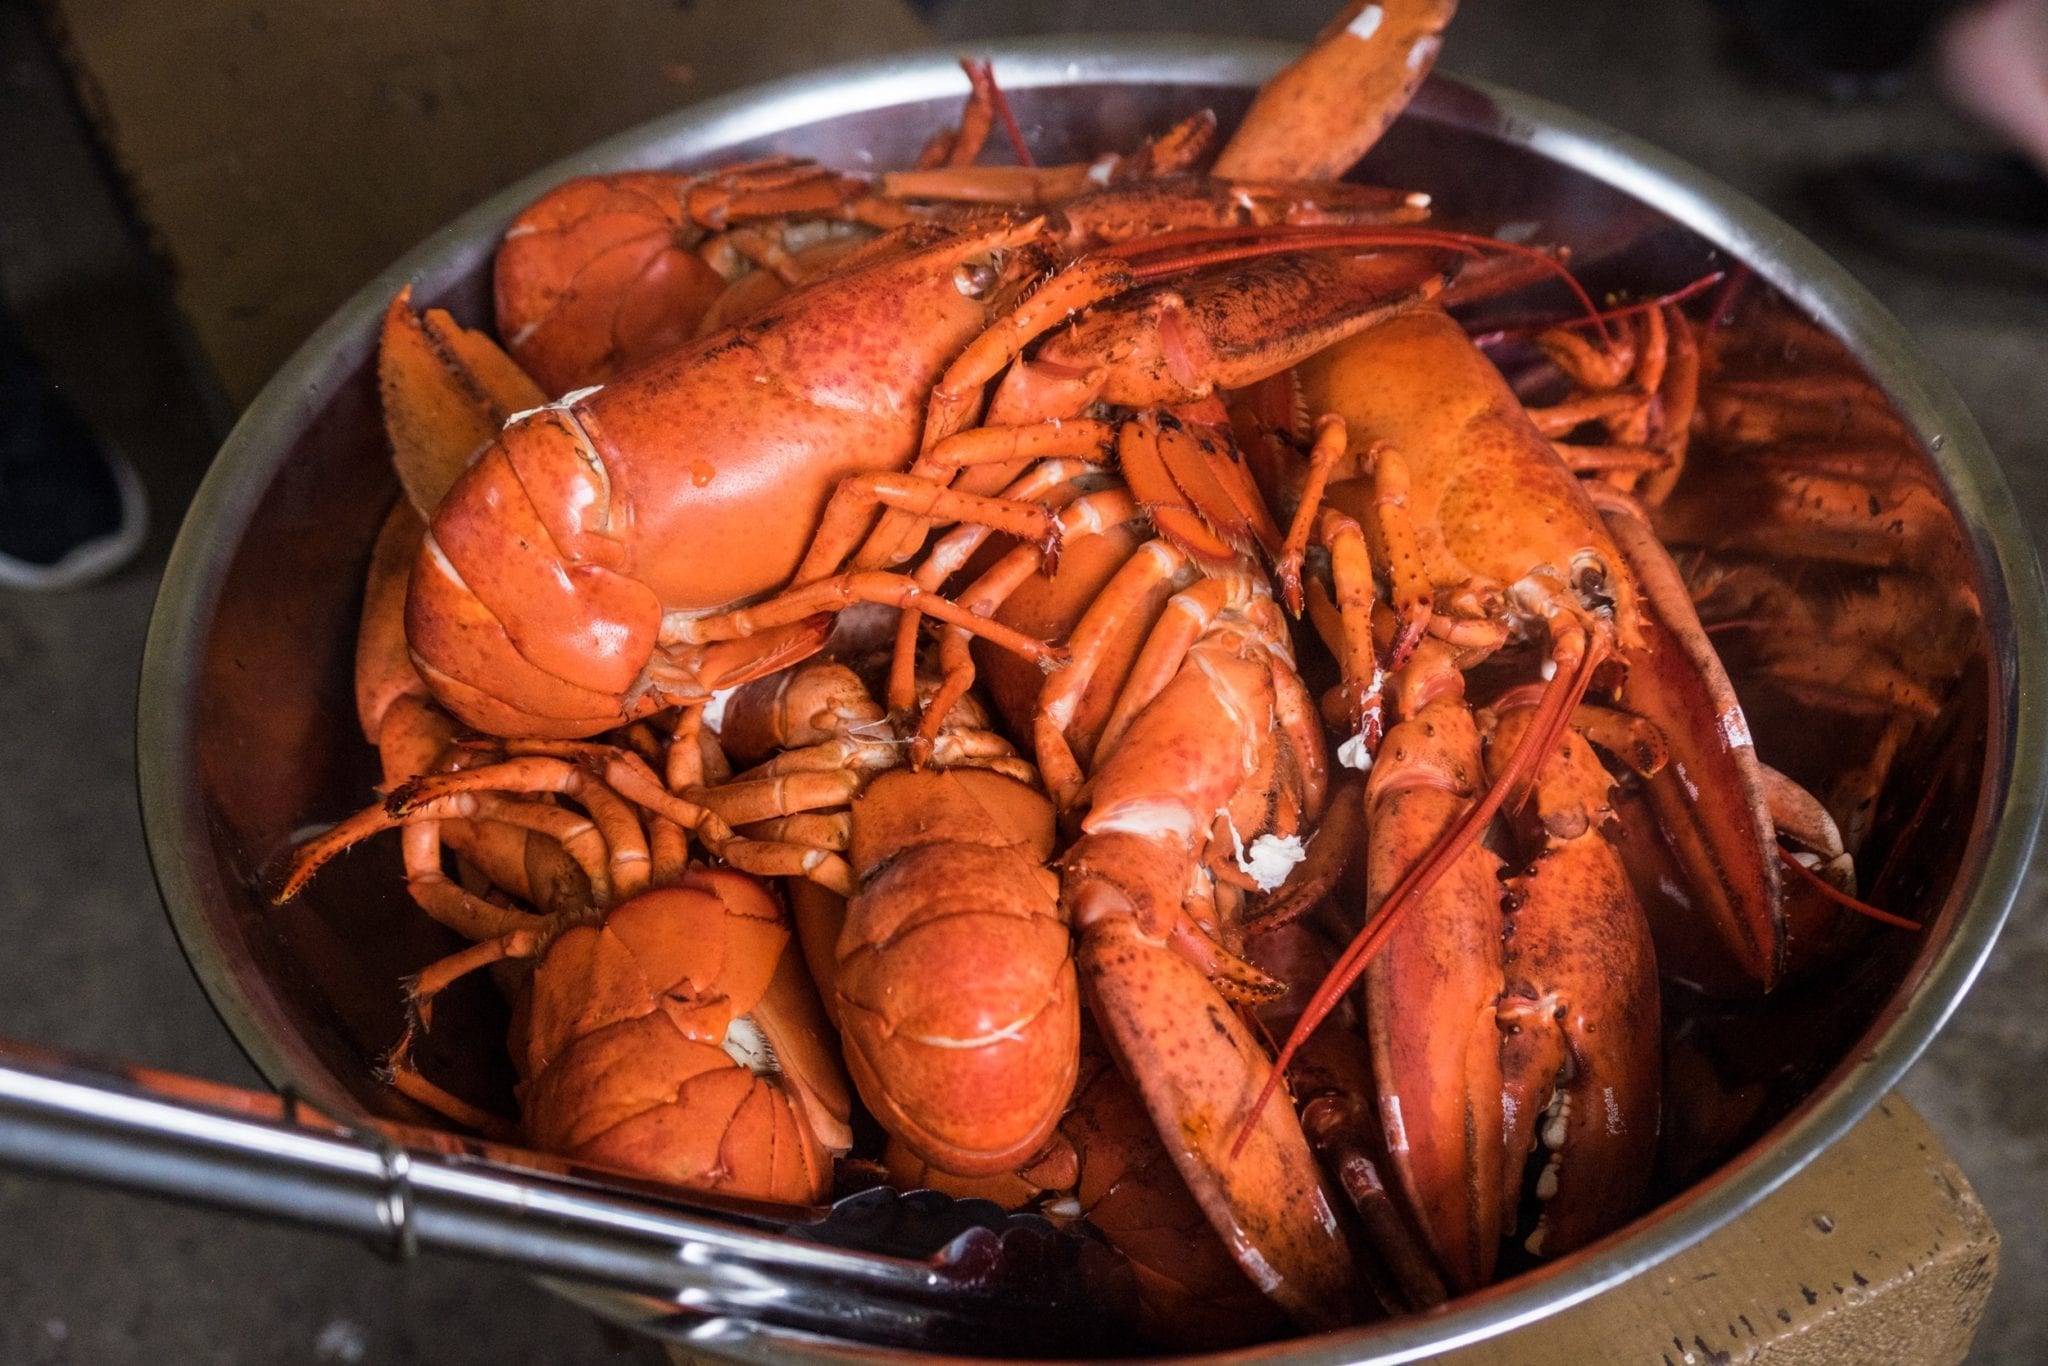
(1994, 65)
(71, 509)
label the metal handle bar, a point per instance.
(954, 1275)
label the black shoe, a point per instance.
(1977, 213)
(71, 510)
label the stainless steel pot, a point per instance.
(247, 725)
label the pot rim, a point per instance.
(1988, 880)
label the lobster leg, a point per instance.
(1678, 398)
(956, 398)
(1362, 677)
(1323, 457)
(1195, 496)
(1079, 515)
(466, 915)
(1170, 346)
(855, 500)
(840, 591)
(1126, 600)
(1189, 615)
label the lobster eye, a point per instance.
(976, 278)
(1589, 581)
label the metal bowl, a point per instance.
(247, 726)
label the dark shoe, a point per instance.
(1961, 213)
(71, 510)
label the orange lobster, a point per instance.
(445, 390)
(950, 971)
(682, 529)
(573, 577)
(1488, 542)
(605, 272)
(674, 1039)
(608, 554)
(1202, 764)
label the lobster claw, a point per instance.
(1579, 1012)
(1430, 994)
(1710, 798)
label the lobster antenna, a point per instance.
(1273, 240)
(1530, 326)
(1559, 696)
(1842, 898)
(1002, 103)
(1554, 726)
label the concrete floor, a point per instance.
(87, 1276)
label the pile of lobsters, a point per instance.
(1101, 664)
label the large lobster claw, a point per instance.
(1710, 798)
(1430, 994)
(1579, 1010)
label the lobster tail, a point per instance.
(956, 986)
(516, 592)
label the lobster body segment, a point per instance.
(649, 1040)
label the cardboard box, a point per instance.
(282, 154)
(1878, 1252)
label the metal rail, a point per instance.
(992, 1283)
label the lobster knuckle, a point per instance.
(1121, 876)
(1029, 389)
